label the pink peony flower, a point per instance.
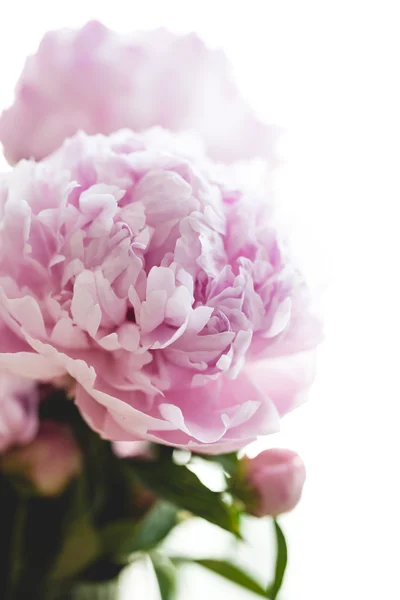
(98, 81)
(157, 285)
(49, 462)
(277, 478)
(18, 411)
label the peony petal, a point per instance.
(68, 335)
(286, 381)
(152, 310)
(26, 312)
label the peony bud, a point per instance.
(18, 411)
(277, 477)
(139, 450)
(49, 462)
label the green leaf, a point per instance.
(179, 485)
(229, 462)
(227, 570)
(166, 575)
(155, 527)
(81, 547)
(126, 536)
(280, 564)
(117, 535)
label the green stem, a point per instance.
(17, 546)
(105, 590)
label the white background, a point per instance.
(329, 73)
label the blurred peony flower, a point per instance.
(49, 462)
(140, 450)
(98, 81)
(276, 477)
(18, 411)
(157, 284)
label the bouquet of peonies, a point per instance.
(151, 316)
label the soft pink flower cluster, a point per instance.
(159, 285)
(98, 81)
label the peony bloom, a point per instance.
(18, 411)
(158, 285)
(49, 462)
(276, 477)
(98, 81)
